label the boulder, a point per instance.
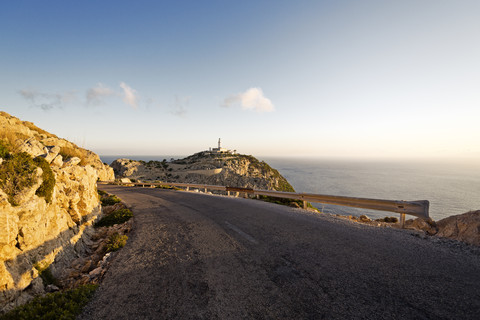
(58, 161)
(52, 153)
(428, 226)
(72, 162)
(125, 180)
(52, 288)
(95, 272)
(464, 227)
(364, 218)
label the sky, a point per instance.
(345, 79)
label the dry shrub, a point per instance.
(33, 127)
(16, 174)
(6, 115)
(12, 139)
(46, 188)
(70, 152)
(115, 242)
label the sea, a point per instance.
(451, 187)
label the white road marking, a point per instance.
(240, 232)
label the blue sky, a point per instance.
(356, 79)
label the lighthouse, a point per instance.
(220, 149)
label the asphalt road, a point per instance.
(196, 256)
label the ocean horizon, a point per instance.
(451, 187)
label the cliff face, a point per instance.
(48, 201)
(206, 168)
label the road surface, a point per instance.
(197, 256)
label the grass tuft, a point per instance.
(58, 305)
(70, 152)
(17, 174)
(46, 188)
(4, 150)
(116, 217)
(33, 127)
(110, 200)
(115, 242)
(46, 274)
(11, 139)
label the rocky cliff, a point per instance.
(48, 201)
(206, 168)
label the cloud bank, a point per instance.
(95, 96)
(47, 101)
(252, 99)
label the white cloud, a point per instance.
(129, 95)
(252, 99)
(96, 95)
(47, 101)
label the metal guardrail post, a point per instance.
(402, 220)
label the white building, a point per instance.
(221, 150)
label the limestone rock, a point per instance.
(58, 161)
(95, 272)
(464, 227)
(115, 207)
(71, 162)
(125, 180)
(233, 170)
(52, 288)
(428, 226)
(364, 218)
(39, 233)
(52, 153)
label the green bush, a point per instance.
(102, 193)
(388, 219)
(116, 241)
(46, 274)
(46, 188)
(17, 174)
(116, 217)
(168, 187)
(4, 151)
(59, 305)
(110, 200)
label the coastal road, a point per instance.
(197, 256)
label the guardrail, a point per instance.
(417, 208)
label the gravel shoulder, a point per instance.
(195, 256)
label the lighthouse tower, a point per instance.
(220, 149)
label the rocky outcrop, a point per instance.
(428, 226)
(463, 227)
(38, 230)
(206, 168)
